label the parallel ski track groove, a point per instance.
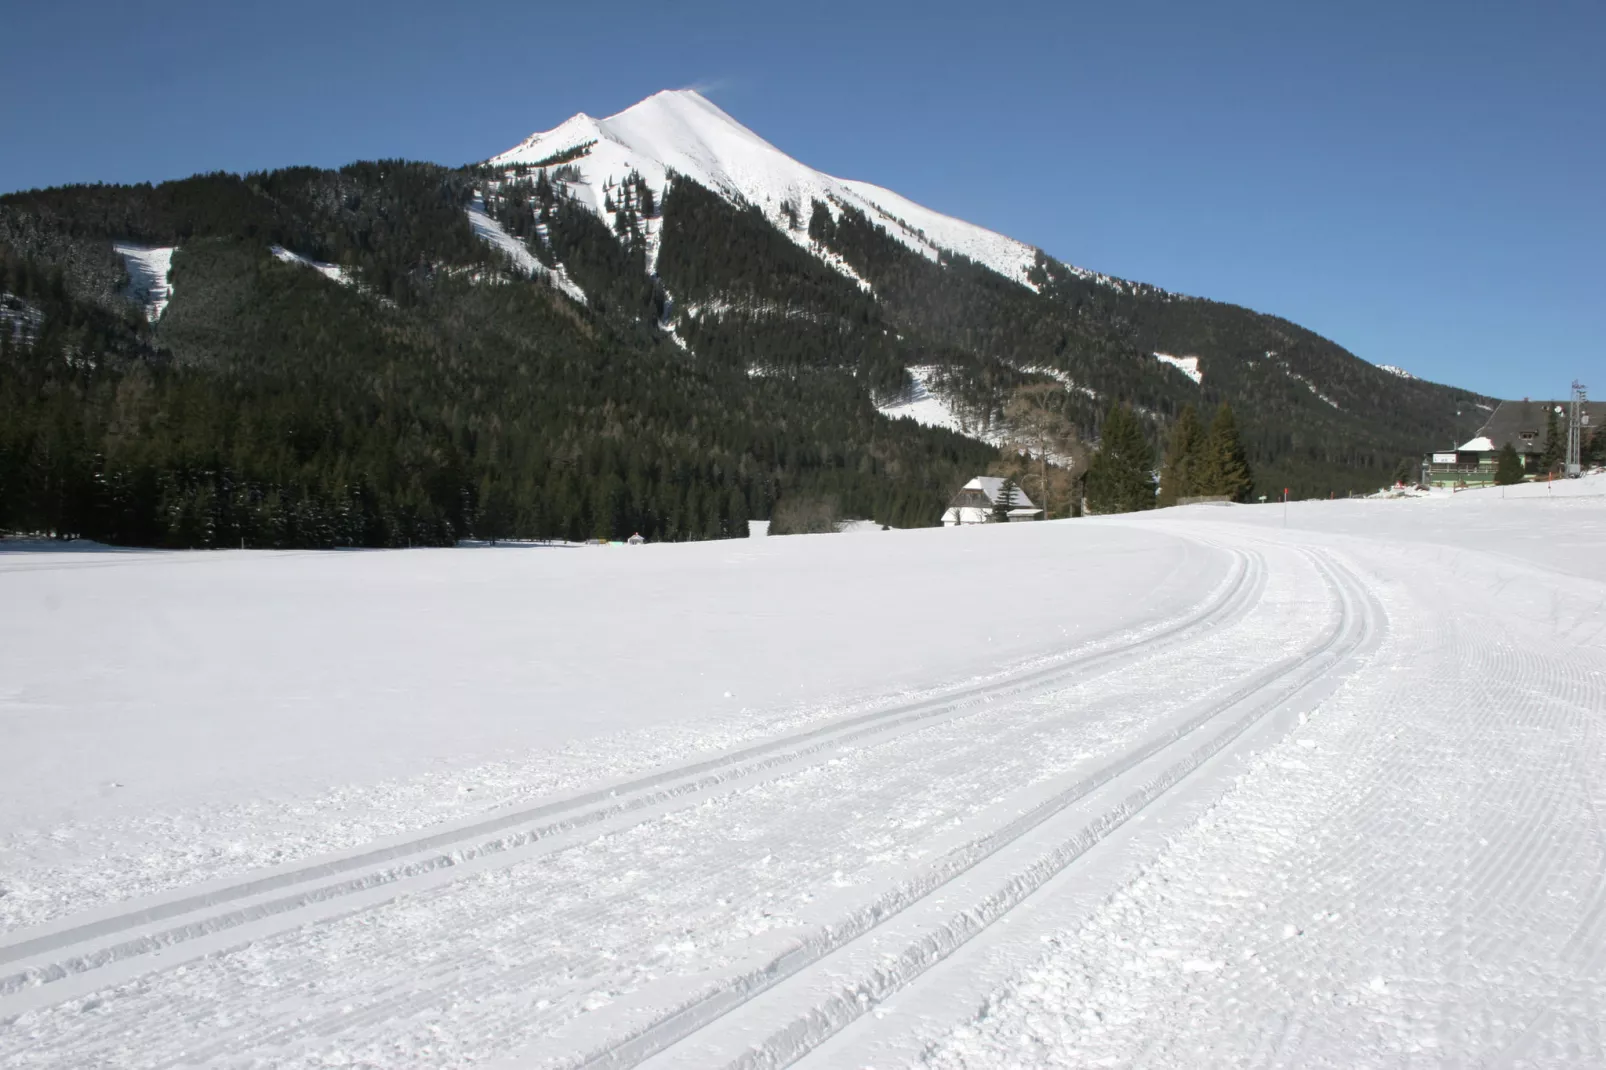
(445, 849)
(455, 973)
(1357, 617)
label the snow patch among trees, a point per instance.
(1064, 379)
(1188, 366)
(1292, 374)
(1310, 386)
(493, 233)
(150, 269)
(19, 320)
(333, 272)
(922, 406)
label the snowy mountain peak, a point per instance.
(675, 119)
(681, 131)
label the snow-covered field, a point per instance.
(1216, 785)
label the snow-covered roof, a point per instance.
(1481, 444)
(1524, 425)
(993, 487)
(682, 131)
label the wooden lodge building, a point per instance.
(1522, 424)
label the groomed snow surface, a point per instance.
(1210, 786)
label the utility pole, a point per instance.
(1575, 432)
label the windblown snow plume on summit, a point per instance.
(682, 131)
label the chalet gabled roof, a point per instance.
(993, 486)
(1512, 419)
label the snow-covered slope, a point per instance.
(930, 410)
(149, 268)
(1188, 366)
(332, 272)
(682, 131)
(490, 231)
(928, 232)
(1394, 369)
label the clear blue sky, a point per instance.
(1421, 182)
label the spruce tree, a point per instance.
(1005, 501)
(1555, 442)
(1179, 472)
(1508, 469)
(1121, 476)
(1225, 468)
(1594, 449)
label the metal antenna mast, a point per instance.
(1575, 432)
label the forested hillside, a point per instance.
(1099, 336)
(351, 358)
(442, 397)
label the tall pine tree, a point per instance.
(1178, 474)
(1225, 467)
(1121, 477)
(1005, 501)
(1508, 469)
(1555, 442)
(1594, 449)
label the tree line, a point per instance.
(442, 396)
(1199, 462)
(438, 398)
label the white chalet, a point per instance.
(976, 500)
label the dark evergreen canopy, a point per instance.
(448, 395)
(1223, 468)
(1120, 478)
(1184, 454)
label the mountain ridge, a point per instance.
(683, 132)
(638, 135)
(656, 322)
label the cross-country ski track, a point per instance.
(1336, 800)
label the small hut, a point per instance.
(977, 503)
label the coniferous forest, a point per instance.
(436, 392)
(443, 397)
